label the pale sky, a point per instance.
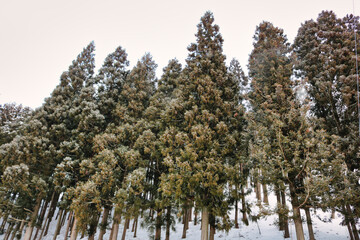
(40, 38)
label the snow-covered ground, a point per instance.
(264, 229)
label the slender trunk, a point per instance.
(68, 225)
(285, 215)
(195, 216)
(279, 207)
(54, 200)
(168, 223)
(15, 231)
(9, 230)
(190, 215)
(265, 193)
(352, 222)
(74, 230)
(243, 207)
(258, 190)
(204, 224)
(333, 213)
(30, 227)
(185, 221)
(212, 227)
(41, 217)
(298, 223)
(4, 223)
(115, 230)
(236, 214)
(64, 218)
(158, 224)
(309, 223)
(136, 224)
(350, 231)
(133, 226)
(125, 228)
(58, 225)
(103, 224)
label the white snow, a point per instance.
(265, 229)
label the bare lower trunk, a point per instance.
(333, 213)
(279, 207)
(204, 224)
(185, 221)
(74, 231)
(352, 222)
(243, 207)
(54, 200)
(236, 214)
(212, 227)
(32, 221)
(15, 231)
(158, 224)
(298, 223)
(125, 228)
(41, 217)
(115, 229)
(58, 225)
(9, 230)
(265, 193)
(285, 215)
(4, 223)
(103, 224)
(168, 223)
(309, 224)
(136, 224)
(68, 225)
(195, 217)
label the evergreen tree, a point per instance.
(325, 58)
(199, 171)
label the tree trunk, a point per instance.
(168, 223)
(258, 190)
(243, 206)
(115, 229)
(352, 222)
(265, 193)
(58, 225)
(333, 213)
(31, 223)
(74, 230)
(125, 228)
(185, 222)
(309, 223)
(204, 224)
(190, 215)
(236, 214)
(2, 228)
(195, 216)
(68, 225)
(15, 231)
(212, 227)
(41, 217)
(136, 224)
(9, 230)
(285, 215)
(54, 200)
(279, 207)
(350, 231)
(158, 224)
(103, 224)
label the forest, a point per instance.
(122, 146)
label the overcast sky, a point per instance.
(40, 38)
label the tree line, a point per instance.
(122, 145)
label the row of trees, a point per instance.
(122, 145)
